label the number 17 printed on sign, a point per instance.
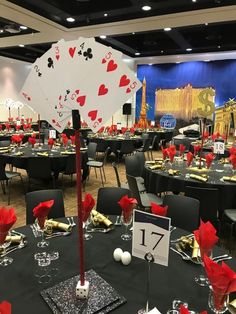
(151, 237)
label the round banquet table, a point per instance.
(58, 160)
(19, 286)
(158, 181)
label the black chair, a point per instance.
(168, 137)
(99, 165)
(91, 151)
(228, 219)
(108, 198)
(39, 169)
(183, 211)
(6, 178)
(209, 203)
(144, 199)
(125, 185)
(32, 199)
(146, 147)
(127, 148)
(134, 168)
(70, 168)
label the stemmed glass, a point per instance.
(87, 236)
(126, 219)
(5, 260)
(43, 243)
(202, 280)
(217, 301)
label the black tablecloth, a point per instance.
(58, 161)
(157, 181)
(19, 286)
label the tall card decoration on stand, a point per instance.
(84, 76)
(151, 237)
(205, 112)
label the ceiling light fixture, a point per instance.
(70, 19)
(150, 64)
(219, 46)
(206, 24)
(206, 60)
(105, 14)
(146, 8)
(133, 33)
(189, 49)
(23, 27)
(137, 53)
(103, 36)
(194, 0)
(162, 51)
(1, 30)
(167, 29)
(177, 62)
(21, 45)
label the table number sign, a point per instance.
(219, 147)
(151, 237)
(52, 134)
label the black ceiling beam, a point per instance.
(119, 45)
(178, 38)
(15, 56)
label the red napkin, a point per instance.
(171, 151)
(27, 120)
(164, 152)
(87, 205)
(158, 210)
(41, 211)
(189, 158)
(16, 139)
(205, 135)
(127, 205)
(25, 126)
(123, 130)
(5, 307)
(132, 130)
(64, 139)
(206, 237)
(7, 126)
(33, 135)
(222, 279)
(209, 158)
(51, 142)
(32, 141)
(101, 129)
(185, 310)
(215, 136)
(232, 159)
(72, 137)
(7, 220)
(110, 131)
(196, 149)
(181, 149)
(232, 150)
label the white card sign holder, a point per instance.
(151, 237)
(219, 148)
(18, 122)
(52, 134)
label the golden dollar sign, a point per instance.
(209, 106)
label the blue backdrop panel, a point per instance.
(221, 75)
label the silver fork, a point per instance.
(73, 224)
(68, 219)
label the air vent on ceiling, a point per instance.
(12, 28)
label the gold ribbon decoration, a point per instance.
(209, 106)
(98, 218)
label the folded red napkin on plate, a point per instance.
(5, 307)
(209, 158)
(232, 159)
(222, 279)
(41, 211)
(7, 220)
(16, 138)
(32, 141)
(196, 149)
(189, 158)
(123, 130)
(72, 138)
(171, 151)
(87, 205)
(164, 152)
(181, 149)
(158, 210)
(127, 205)
(206, 237)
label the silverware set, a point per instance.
(118, 221)
(21, 245)
(57, 234)
(71, 221)
(99, 230)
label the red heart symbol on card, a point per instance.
(81, 100)
(100, 120)
(128, 90)
(57, 57)
(112, 66)
(102, 90)
(93, 114)
(124, 80)
(77, 91)
(104, 60)
(60, 97)
(72, 51)
(56, 123)
(5, 307)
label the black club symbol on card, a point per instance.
(50, 63)
(88, 54)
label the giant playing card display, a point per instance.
(80, 74)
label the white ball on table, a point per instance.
(126, 258)
(117, 254)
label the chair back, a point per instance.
(209, 202)
(91, 151)
(146, 144)
(133, 186)
(32, 199)
(145, 136)
(116, 174)
(5, 143)
(141, 161)
(101, 145)
(133, 166)
(70, 165)
(183, 211)
(107, 200)
(127, 147)
(39, 168)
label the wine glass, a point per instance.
(40, 227)
(217, 302)
(202, 280)
(126, 219)
(5, 260)
(87, 236)
(42, 272)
